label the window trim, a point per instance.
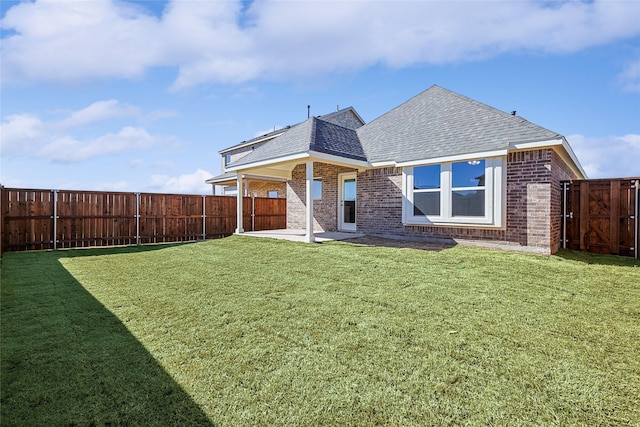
(318, 180)
(494, 188)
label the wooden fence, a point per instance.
(51, 219)
(601, 216)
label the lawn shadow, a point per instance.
(425, 245)
(589, 258)
(67, 360)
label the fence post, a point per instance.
(55, 219)
(635, 217)
(253, 212)
(137, 218)
(204, 216)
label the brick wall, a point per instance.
(262, 188)
(560, 171)
(325, 210)
(379, 201)
(533, 205)
(529, 197)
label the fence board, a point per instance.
(90, 218)
(601, 216)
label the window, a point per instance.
(465, 192)
(272, 194)
(467, 188)
(317, 189)
(227, 159)
(230, 191)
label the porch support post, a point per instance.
(239, 228)
(309, 237)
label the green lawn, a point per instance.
(248, 331)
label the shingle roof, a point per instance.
(222, 177)
(314, 134)
(438, 123)
(435, 123)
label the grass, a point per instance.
(246, 331)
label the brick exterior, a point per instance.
(533, 204)
(325, 210)
(560, 171)
(262, 188)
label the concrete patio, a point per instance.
(298, 235)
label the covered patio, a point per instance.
(313, 141)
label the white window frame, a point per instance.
(494, 196)
(230, 191)
(317, 192)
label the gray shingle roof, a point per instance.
(222, 177)
(314, 134)
(438, 123)
(435, 123)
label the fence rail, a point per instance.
(51, 219)
(601, 216)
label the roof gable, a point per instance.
(439, 123)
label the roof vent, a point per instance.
(513, 113)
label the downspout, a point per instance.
(564, 215)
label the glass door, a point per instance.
(347, 202)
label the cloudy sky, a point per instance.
(141, 95)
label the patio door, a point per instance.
(347, 202)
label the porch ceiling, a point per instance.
(281, 168)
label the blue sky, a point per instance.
(141, 96)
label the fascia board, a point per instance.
(331, 158)
(458, 157)
(269, 162)
(385, 164)
(574, 158)
(555, 144)
(535, 144)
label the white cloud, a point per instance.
(98, 111)
(184, 184)
(68, 149)
(608, 157)
(217, 41)
(29, 135)
(19, 132)
(630, 77)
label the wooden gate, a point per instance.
(601, 216)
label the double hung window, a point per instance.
(463, 192)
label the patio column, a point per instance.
(309, 237)
(239, 228)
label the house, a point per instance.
(440, 166)
(266, 186)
